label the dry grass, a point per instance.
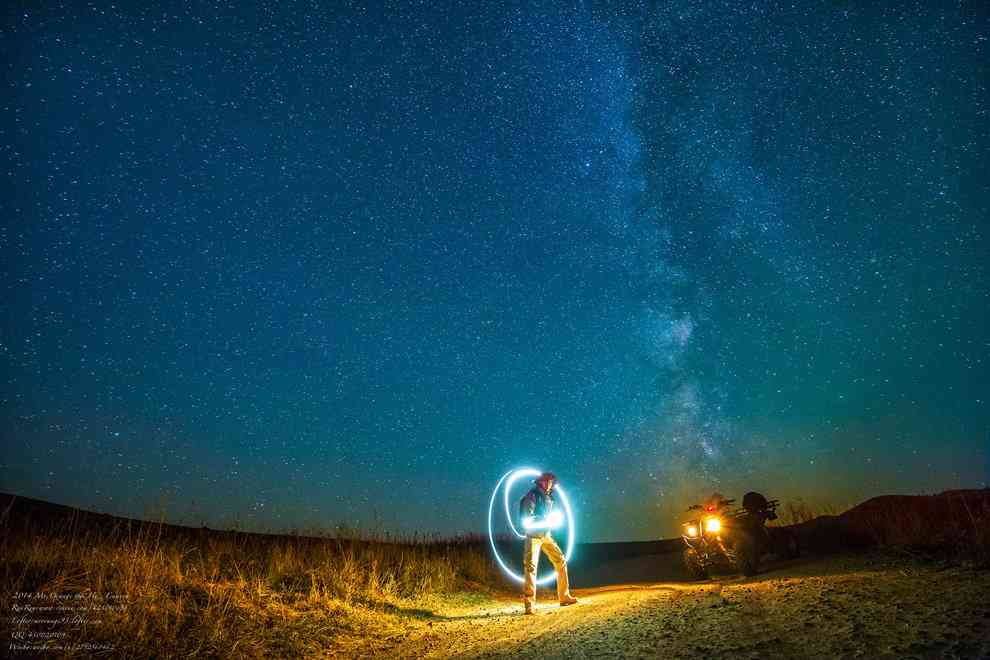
(953, 525)
(202, 593)
(957, 528)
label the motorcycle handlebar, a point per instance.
(721, 503)
(771, 504)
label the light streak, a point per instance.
(511, 476)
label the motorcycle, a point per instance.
(717, 534)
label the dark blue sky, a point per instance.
(290, 266)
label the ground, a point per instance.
(845, 607)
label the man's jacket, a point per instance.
(538, 504)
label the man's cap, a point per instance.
(546, 476)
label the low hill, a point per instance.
(951, 521)
(952, 517)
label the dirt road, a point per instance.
(856, 607)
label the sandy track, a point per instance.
(845, 607)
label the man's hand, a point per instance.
(553, 520)
(529, 522)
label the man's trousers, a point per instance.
(531, 556)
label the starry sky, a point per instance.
(295, 265)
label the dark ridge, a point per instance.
(952, 517)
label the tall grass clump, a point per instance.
(954, 525)
(169, 591)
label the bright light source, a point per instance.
(692, 531)
(713, 525)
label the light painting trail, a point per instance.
(508, 479)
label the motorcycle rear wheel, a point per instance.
(746, 555)
(788, 545)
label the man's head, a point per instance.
(546, 481)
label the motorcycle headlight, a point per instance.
(713, 525)
(691, 531)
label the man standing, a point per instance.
(536, 509)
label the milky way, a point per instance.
(293, 267)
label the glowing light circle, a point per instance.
(511, 476)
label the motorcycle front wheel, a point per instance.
(694, 565)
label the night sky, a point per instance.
(294, 265)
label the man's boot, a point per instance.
(568, 600)
(529, 608)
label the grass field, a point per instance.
(145, 589)
(164, 591)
